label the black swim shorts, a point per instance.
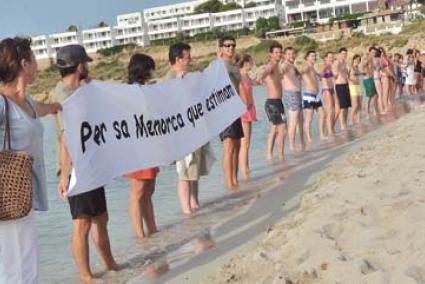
(312, 105)
(92, 203)
(233, 131)
(343, 94)
(275, 111)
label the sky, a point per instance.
(38, 17)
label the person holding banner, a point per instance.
(88, 210)
(198, 163)
(19, 257)
(232, 135)
(142, 183)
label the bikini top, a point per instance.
(327, 74)
(384, 63)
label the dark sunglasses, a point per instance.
(229, 45)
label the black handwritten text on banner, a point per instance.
(113, 129)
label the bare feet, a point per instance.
(194, 207)
(92, 280)
(245, 174)
(269, 156)
(323, 137)
(309, 141)
(113, 266)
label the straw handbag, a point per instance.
(15, 178)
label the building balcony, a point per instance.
(129, 35)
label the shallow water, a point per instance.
(180, 238)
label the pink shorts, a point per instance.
(250, 115)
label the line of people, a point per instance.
(293, 95)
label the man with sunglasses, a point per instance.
(232, 135)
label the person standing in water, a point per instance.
(271, 77)
(411, 77)
(291, 86)
(328, 92)
(398, 70)
(368, 80)
(311, 99)
(88, 210)
(193, 166)
(343, 101)
(387, 80)
(142, 183)
(244, 62)
(231, 136)
(355, 89)
(377, 68)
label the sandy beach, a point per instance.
(358, 221)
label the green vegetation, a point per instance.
(262, 26)
(115, 49)
(263, 46)
(72, 28)
(251, 5)
(215, 6)
(300, 24)
(348, 17)
(306, 43)
(102, 24)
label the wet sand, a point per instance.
(348, 211)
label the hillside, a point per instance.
(114, 67)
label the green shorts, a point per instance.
(369, 86)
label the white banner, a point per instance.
(113, 129)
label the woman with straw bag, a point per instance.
(22, 173)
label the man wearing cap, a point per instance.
(88, 209)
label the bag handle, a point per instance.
(6, 141)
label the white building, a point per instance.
(195, 24)
(323, 10)
(40, 47)
(56, 41)
(171, 11)
(131, 28)
(163, 28)
(99, 38)
(168, 21)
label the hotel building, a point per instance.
(167, 21)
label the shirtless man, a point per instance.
(343, 101)
(291, 85)
(368, 81)
(271, 77)
(311, 99)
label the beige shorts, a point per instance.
(197, 166)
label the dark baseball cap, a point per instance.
(71, 55)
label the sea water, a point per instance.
(176, 231)
(54, 226)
